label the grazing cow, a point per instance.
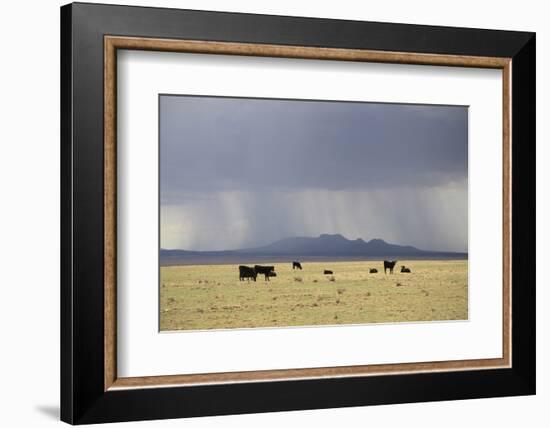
(267, 271)
(405, 269)
(296, 265)
(247, 272)
(327, 272)
(389, 265)
(372, 270)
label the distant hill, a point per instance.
(324, 247)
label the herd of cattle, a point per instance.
(247, 272)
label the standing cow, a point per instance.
(389, 265)
(296, 265)
(247, 272)
(267, 271)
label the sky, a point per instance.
(245, 172)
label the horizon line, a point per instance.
(316, 237)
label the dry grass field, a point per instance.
(212, 297)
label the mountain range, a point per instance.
(324, 247)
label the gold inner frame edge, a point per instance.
(113, 43)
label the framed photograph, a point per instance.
(265, 213)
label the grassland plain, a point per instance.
(202, 297)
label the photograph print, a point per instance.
(287, 212)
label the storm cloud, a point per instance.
(240, 172)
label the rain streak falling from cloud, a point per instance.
(239, 172)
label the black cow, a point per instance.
(296, 265)
(405, 269)
(247, 272)
(372, 270)
(389, 265)
(327, 272)
(267, 271)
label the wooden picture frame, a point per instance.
(91, 390)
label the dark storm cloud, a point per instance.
(243, 172)
(214, 144)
